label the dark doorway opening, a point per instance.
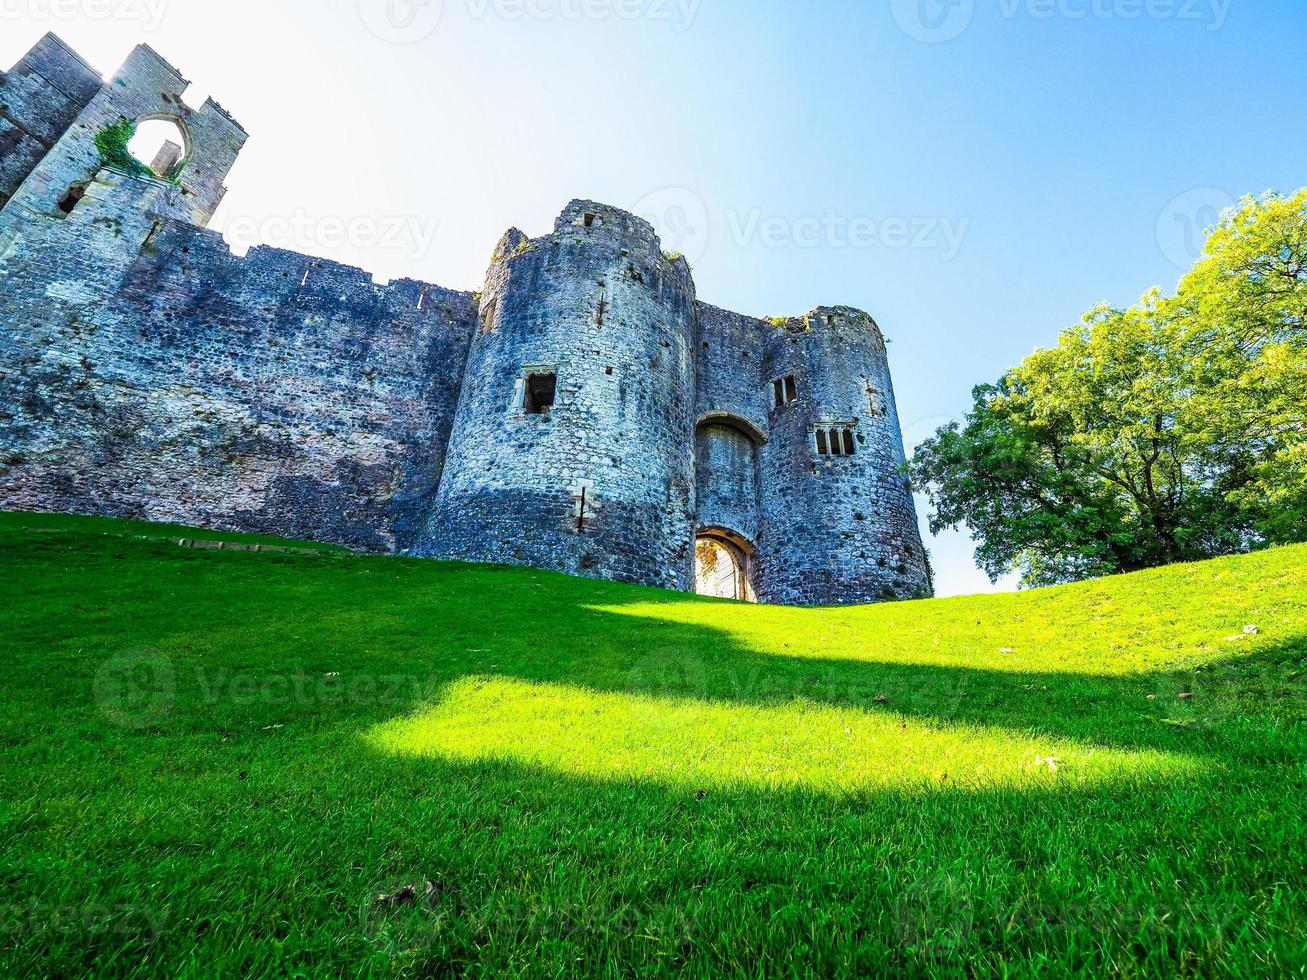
(68, 203)
(541, 392)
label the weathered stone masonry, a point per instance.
(584, 413)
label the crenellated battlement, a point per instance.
(584, 412)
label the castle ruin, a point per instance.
(585, 412)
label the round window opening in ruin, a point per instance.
(161, 145)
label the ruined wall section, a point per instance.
(145, 88)
(835, 528)
(147, 372)
(40, 97)
(599, 306)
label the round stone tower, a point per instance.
(573, 444)
(838, 523)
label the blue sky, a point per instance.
(975, 173)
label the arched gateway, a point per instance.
(727, 472)
(723, 566)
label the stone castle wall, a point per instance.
(837, 528)
(40, 97)
(148, 372)
(598, 307)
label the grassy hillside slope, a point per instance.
(216, 762)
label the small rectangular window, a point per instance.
(541, 391)
(784, 391)
(68, 203)
(823, 446)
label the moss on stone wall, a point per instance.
(112, 143)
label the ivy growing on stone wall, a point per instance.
(112, 143)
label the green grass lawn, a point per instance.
(215, 762)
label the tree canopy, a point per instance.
(1174, 430)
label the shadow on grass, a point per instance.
(364, 640)
(296, 736)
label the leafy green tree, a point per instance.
(1245, 311)
(1171, 431)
